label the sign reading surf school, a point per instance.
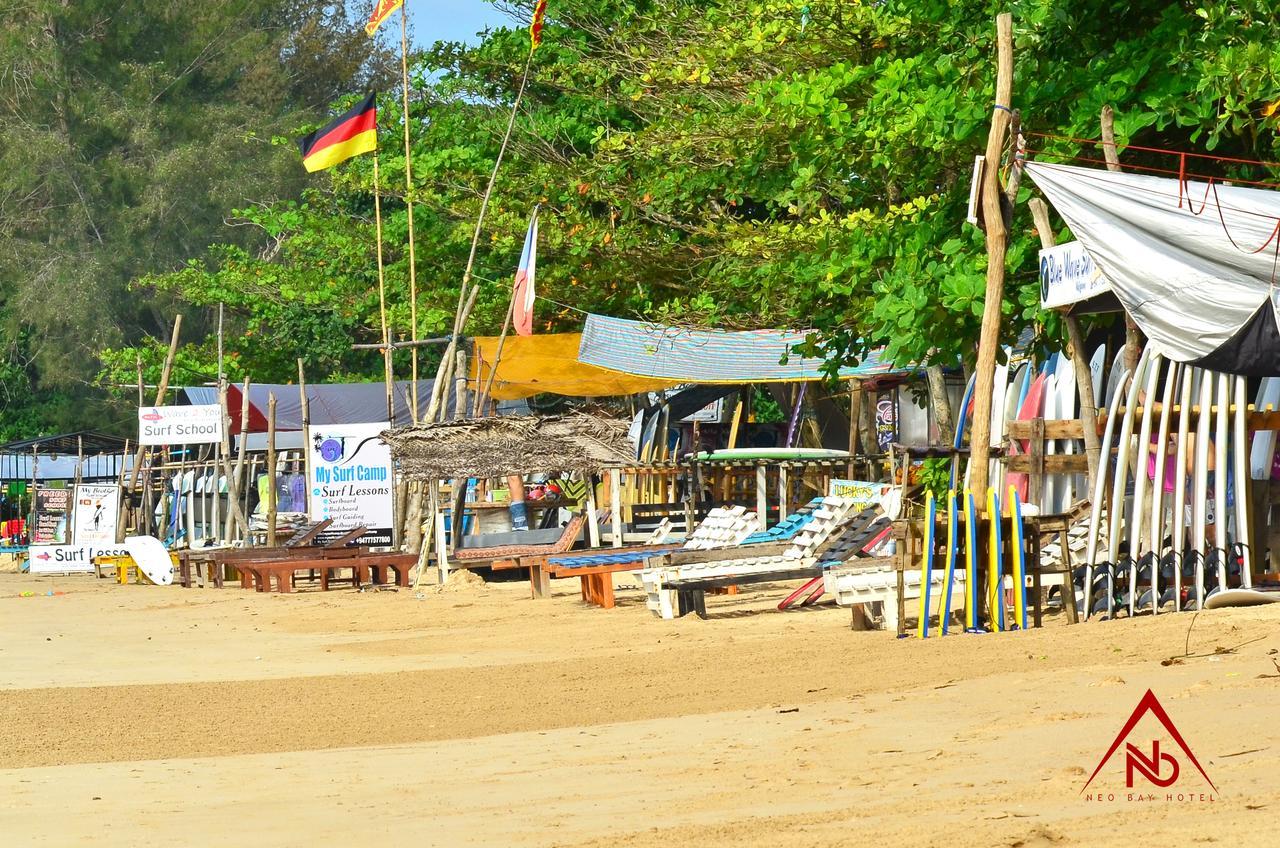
(180, 425)
(351, 479)
(1068, 275)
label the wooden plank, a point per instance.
(1058, 463)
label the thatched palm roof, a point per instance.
(496, 447)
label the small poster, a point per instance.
(886, 419)
(94, 519)
(52, 506)
(351, 479)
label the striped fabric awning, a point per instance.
(709, 356)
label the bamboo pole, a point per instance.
(997, 246)
(242, 512)
(467, 298)
(387, 377)
(306, 438)
(272, 497)
(1075, 346)
(161, 388)
(408, 199)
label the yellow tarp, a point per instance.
(534, 364)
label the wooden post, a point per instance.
(784, 491)
(306, 439)
(242, 512)
(593, 522)
(122, 511)
(1079, 358)
(1132, 335)
(997, 245)
(1035, 480)
(160, 391)
(615, 506)
(272, 498)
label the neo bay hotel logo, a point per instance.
(1159, 764)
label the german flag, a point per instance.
(350, 134)
(381, 11)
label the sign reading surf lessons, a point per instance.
(351, 479)
(180, 425)
(97, 509)
(68, 559)
(1068, 275)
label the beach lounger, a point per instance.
(676, 583)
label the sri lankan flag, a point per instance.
(381, 11)
(350, 134)
(535, 26)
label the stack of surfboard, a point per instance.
(1177, 531)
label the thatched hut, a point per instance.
(497, 447)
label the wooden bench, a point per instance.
(362, 565)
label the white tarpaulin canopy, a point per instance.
(1194, 263)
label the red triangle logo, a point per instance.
(1149, 704)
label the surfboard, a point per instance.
(1200, 487)
(151, 557)
(1116, 378)
(773, 453)
(1123, 457)
(1242, 598)
(1097, 364)
(958, 440)
(1097, 531)
(1068, 484)
(1221, 470)
(1136, 515)
(1239, 444)
(1262, 453)
(926, 564)
(971, 564)
(953, 540)
(1031, 407)
(1178, 547)
(1000, 388)
(1049, 411)
(1018, 545)
(1155, 542)
(995, 565)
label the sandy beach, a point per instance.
(140, 715)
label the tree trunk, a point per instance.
(941, 403)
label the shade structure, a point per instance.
(532, 365)
(1195, 263)
(686, 355)
(517, 444)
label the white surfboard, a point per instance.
(1049, 411)
(150, 555)
(1222, 426)
(1182, 456)
(1143, 451)
(1200, 484)
(1239, 444)
(1123, 459)
(1155, 542)
(1068, 484)
(995, 470)
(1097, 364)
(1242, 598)
(1096, 531)
(1116, 378)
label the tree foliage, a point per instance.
(757, 163)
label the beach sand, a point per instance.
(475, 716)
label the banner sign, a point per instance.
(180, 425)
(351, 479)
(52, 506)
(97, 510)
(864, 494)
(61, 559)
(887, 419)
(1068, 275)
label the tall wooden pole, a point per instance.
(382, 295)
(1132, 335)
(997, 244)
(306, 437)
(272, 498)
(1075, 346)
(408, 202)
(160, 392)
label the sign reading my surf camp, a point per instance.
(351, 480)
(97, 508)
(1068, 275)
(51, 516)
(180, 425)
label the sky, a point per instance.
(452, 20)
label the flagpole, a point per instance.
(408, 199)
(463, 312)
(382, 293)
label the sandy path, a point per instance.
(486, 719)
